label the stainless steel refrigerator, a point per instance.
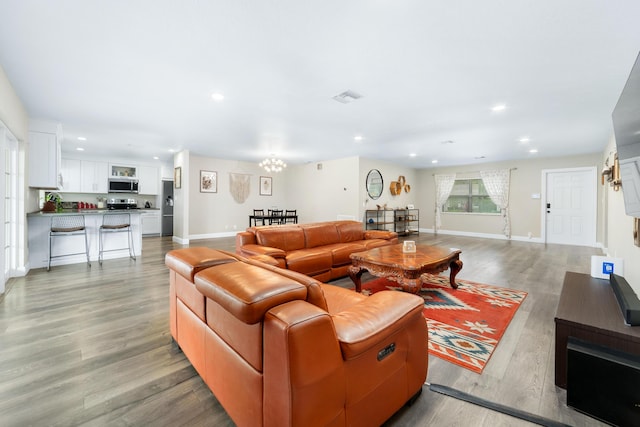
(167, 208)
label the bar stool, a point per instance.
(67, 225)
(116, 223)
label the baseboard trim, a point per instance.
(180, 240)
(483, 235)
(213, 235)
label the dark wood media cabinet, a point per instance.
(588, 310)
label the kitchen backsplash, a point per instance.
(72, 200)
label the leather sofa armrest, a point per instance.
(244, 238)
(253, 250)
(302, 361)
(375, 319)
(380, 234)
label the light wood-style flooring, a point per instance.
(91, 346)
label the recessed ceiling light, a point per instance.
(533, 151)
(499, 107)
(358, 138)
(434, 161)
(524, 139)
(82, 138)
(217, 96)
(79, 149)
(171, 150)
(156, 157)
(412, 154)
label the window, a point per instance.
(469, 196)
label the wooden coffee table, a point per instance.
(405, 268)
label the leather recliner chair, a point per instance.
(278, 348)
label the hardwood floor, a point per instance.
(91, 346)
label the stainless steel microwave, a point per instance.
(123, 185)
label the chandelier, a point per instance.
(272, 165)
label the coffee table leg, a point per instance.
(455, 267)
(412, 285)
(355, 273)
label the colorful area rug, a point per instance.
(465, 324)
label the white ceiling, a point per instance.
(135, 77)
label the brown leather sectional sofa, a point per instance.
(319, 250)
(278, 348)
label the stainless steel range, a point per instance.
(122, 204)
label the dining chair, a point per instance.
(290, 216)
(256, 213)
(276, 216)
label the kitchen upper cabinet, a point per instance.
(95, 177)
(70, 175)
(44, 160)
(148, 180)
(83, 176)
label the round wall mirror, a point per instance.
(374, 183)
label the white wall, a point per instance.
(215, 214)
(390, 172)
(12, 112)
(181, 199)
(321, 193)
(525, 211)
(15, 118)
(619, 229)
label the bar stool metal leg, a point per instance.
(116, 223)
(67, 225)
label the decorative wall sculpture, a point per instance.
(239, 186)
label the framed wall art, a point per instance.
(177, 177)
(208, 182)
(266, 186)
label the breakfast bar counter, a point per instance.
(39, 224)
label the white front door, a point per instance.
(570, 206)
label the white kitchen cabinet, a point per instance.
(44, 160)
(95, 176)
(70, 175)
(150, 222)
(122, 171)
(83, 176)
(148, 180)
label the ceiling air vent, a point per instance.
(347, 97)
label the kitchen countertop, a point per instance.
(91, 211)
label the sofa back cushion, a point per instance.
(189, 261)
(247, 291)
(320, 234)
(285, 238)
(350, 231)
(315, 295)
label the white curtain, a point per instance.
(444, 185)
(497, 184)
